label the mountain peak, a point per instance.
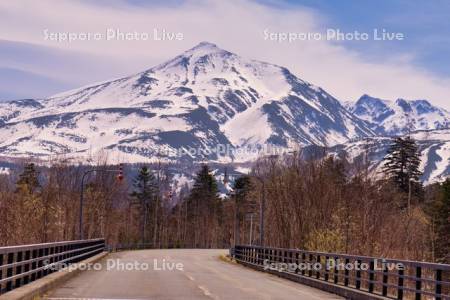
(366, 99)
(404, 105)
(205, 48)
(205, 44)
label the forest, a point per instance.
(324, 203)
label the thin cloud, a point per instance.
(237, 26)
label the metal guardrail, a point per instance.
(20, 265)
(374, 276)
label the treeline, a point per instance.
(41, 204)
(324, 204)
(329, 205)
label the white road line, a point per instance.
(190, 277)
(207, 293)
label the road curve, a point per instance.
(203, 276)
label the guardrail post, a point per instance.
(371, 275)
(326, 267)
(39, 264)
(46, 253)
(34, 265)
(303, 263)
(26, 279)
(336, 271)
(1, 273)
(18, 270)
(258, 256)
(438, 284)
(385, 282)
(265, 254)
(52, 260)
(291, 255)
(400, 284)
(358, 275)
(318, 271)
(346, 272)
(9, 271)
(252, 255)
(310, 267)
(418, 283)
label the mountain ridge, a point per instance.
(387, 117)
(205, 96)
(208, 104)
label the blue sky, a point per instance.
(426, 25)
(416, 68)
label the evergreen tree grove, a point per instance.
(439, 212)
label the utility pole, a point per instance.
(236, 220)
(262, 208)
(144, 224)
(251, 228)
(409, 196)
(261, 212)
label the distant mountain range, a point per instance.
(400, 116)
(197, 104)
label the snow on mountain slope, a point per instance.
(202, 98)
(14, 109)
(434, 148)
(400, 116)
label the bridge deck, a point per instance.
(204, 276)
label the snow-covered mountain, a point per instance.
(399, 117)
(203, 98)
(211, 104)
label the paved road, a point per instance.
(204, 276)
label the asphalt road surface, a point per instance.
(200, 274)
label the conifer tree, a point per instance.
(401, 164)
(145, 194)
(29, 180)
(242, 187)
(204, 208)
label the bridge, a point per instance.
(84, 270)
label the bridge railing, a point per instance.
(23, 264)
(389, 278)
